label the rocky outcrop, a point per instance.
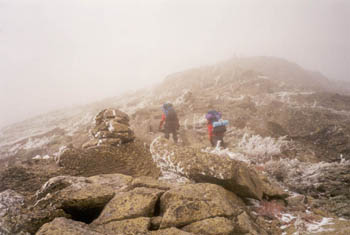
(10, 206)
(201, 166)
(113, 149)
(139, 202)
(131, 158)
(119, 204)
(328, 183)
(138, 225)
(111, 128)
(16, 218)
(187, 204)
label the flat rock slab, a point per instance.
(139, 202)
(63, 226)
(190, 203)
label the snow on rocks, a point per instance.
(317, 227)
(163, 159)
(200, 166)
(261, 149)
(227, 153)
(31, 143)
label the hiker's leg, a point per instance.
(215, 141)
(222, 143)
(166, 133)
(175, 135)
(212, 141)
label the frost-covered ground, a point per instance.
(162, 157)
(257, 150)
(36, 133)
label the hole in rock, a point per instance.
(86, 215)
(157, 208)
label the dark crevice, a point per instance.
(157, 208)
(85, 215)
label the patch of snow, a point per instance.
(317, 227)
(74, 124)
(37, 157)
(261, 148)
(57, 155)
(110, 126)
(227, 153)
(163, 158)
(37, 142)
(46, 157)
(285, 217)
(31, 143)
(185, 124)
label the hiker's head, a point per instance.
(167, 106)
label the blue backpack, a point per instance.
(169, 112)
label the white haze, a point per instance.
(62, 52)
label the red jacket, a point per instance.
(162, 121)
(210, 129)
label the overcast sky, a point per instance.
(62, 52)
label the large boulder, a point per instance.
(201, 166)
(60, 226)
(139, 202)
(170, 231)
(138, 225)
(82, 198)
(329, 183)
(10, 205)
(16, 218)
(212, 226)
(119, 204)
(186, 204)
(131, 158)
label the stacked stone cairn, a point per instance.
(111, 128)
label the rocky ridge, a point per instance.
(295, 134)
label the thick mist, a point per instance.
(59, 53)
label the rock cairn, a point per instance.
(111, 128)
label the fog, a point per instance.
(59, 53)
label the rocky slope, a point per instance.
(287, 162)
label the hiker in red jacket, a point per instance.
(170, 121)
(215, 134)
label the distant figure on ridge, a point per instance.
(216, 128)
(169, 117)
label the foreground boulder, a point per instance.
(10, 206)
(195, 202)
(201, 166)
(66, 226)
(16, 218)
(119, 204)
(132, 159)
(329, 183)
